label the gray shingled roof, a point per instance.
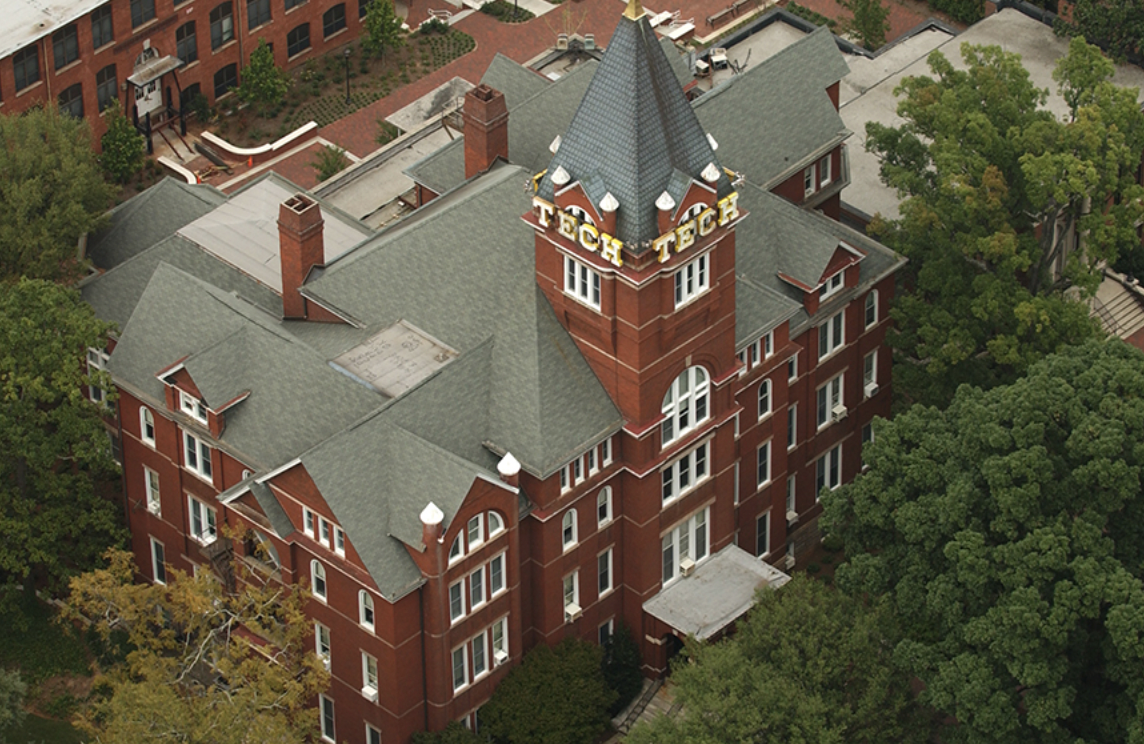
(777, 113)
(144, 220)
(462, 271)
(517, 82)
(633, 130)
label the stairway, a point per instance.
(1119, 306)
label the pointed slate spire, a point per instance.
(634, 134)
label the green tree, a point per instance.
(622, 665)
(52, 189)
(1008, 533)
(329, 161)
(869, 22)
(578, 713)
(982, 166)
(809, 664)
(263, 83)
(193, 674)
(454, 733)
(55, 448)
(1115, 25)
(123, 146)
(382, 29)
(12, 691)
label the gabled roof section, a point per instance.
(777, 114)
(634, 128)
(145, 219)
(517, 82)
(219, 370)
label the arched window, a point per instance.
(365, 609)
(685, 405)
(764, 398)
(604, 506)
(147, 425)
(318, 580)
(568, 528)
(692, 212)
(457, 549)
(496, 524)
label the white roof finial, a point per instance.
(710, 173)
(560, 176)
(609, 203)
(665, 202)
(711, 141)
(431, 514)
(555, 145)
(508, 466)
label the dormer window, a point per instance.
(580, 214)
(474, 535)
(193, 407)
(692, 212)
(832, 285)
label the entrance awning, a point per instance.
(153, 69)
(718, 593)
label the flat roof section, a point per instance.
(25, 21)
(396, 359)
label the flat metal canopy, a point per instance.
(153, 69)
(718, 593)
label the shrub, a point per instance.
(965, 11)
(434, 26)
(809, 15)
(329, 161)
(386, 132)
(507, 12)
(123, 146)
(832, 543)
(454, 733)
(622, 662)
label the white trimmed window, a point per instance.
(829, 471)
(792, 426)
(368, 676)
(193, 407)
(477, 588)
(764, 398)
(147, 426)
(809, 181)
(824, 170)
(96, 362)
(327, 707)
(197, 456)
(309, 523)
(571, 587)
(688, 541)
(591, 464)
(365, 610)
(322, 643)
(582, 282)
(763, 461)
(475, 531)
(870, 374)
(606, 452)
(203, 527)
(158, 562)
(372, 735)
(604, 506)
(474, 535)
(831, 335)
(479, 646)
(500, 641)
(151, 482)
(832, 285)
(763, 534)
(325, 532)
(604, 572)
(460, 668)
(496, 524)
(692, 279)
(792, 368)
(829, 398)
(339, 541)
(456, 601)
(871, 308)
(318, 581)
(604, 632)
(685, 473)
(568, 529)
(496, 575)
(685, 405)
(457, 549)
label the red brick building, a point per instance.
(154, 56)
(592, 379)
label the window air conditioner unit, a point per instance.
(369, 694)
(838, 412)
(871, 389)
(792, 516)
(789, 562)
(500, 657)
(687, 566)
(572, 612)
(153, 508)
(326, 662)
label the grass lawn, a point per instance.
(38, 730)
(45, 649)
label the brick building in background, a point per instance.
(155, 56)
(596, 377)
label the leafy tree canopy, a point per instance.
(207, 666)
(263, 83)
(808, 665)
(569, 678)
(382, 28)
(12, 690)
(52, 437)
(52, 190)
(123, 146)
(1115, 25)
(1008, 533)
(869, 22)
(982, 165)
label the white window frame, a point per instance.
(604, 573)
(833, 284)
(824, 478)
(792, 426)
(193, 407)
(692, 279)
(158, 562)
(695, 526)
(570, 590)
(763, 534)
(200, 451)
(96, 360)
(686, 468)
(692, 212)
(582, 283)
(322, 643)
(457, 609)
(766, 400)
(870, 307)
(687, 403)
(605, 631)
(463, 681)
(146, 421)
(604, 506)
(869, 372)
(580, 214)
(477, 588)
(568, 533)
(792, 368)
(606, 452)
(565, 486)
(763, 464)
(207, 530)
(367, 614)
(457, 549)
(318, 578)
(151, 486)
(498, 643)
(591, 463)
(309, 523)
(372, 735)
(827, 396)
(824, 174)
(499, 528)
(326, 532)
(832, 334)
(339, 541)
(369, 674)
(809, 180)
(480, 641)
(493, 589)
(325, 704)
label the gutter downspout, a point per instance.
(424, 674)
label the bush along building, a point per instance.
(154, 56)
(600, 375)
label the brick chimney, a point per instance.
(300, 248)
(486, 129)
